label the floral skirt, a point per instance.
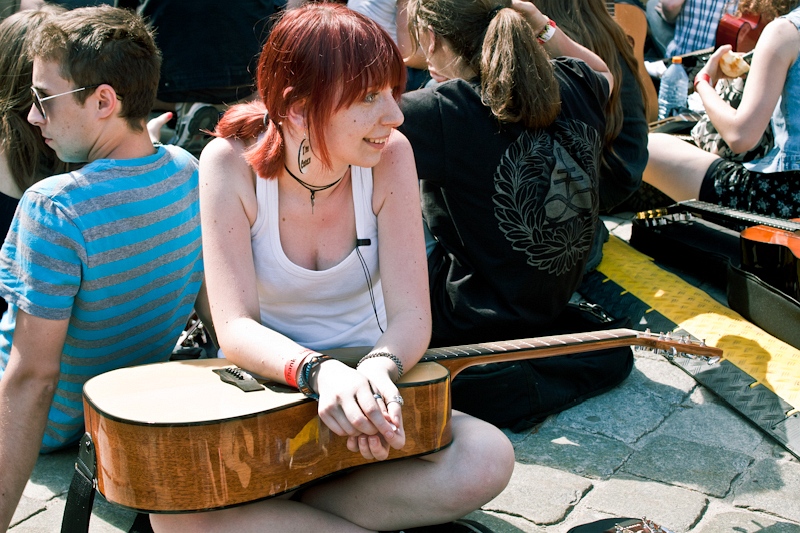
(730, 184)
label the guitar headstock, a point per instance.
(679, 345)
(663, 216)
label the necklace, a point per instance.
(313, 189)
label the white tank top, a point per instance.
(318, 309)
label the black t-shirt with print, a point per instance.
(513, 209)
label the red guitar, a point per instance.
(741, 32)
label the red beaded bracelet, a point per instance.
(547, 32)
(702, 76)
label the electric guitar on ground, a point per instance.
(201, 435)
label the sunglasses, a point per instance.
(38, 101)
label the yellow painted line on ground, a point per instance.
(768, 360)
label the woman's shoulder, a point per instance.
(450, 90)
(572, 67)
(223, 160)
(224, 150)
(397, 151)
(578, 77)
(779, 43)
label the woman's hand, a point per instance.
(712, 65)
(531, 13)
(349, 407)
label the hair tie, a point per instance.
(266, 120)
(493, 13)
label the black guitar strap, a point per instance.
(80, 497)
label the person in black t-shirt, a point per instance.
(508, 159)
(624, 153)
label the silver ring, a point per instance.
(377, 396)
(398, 399)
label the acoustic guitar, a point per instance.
(200, 435)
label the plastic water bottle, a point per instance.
(674, 89)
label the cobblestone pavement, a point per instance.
(659, 446)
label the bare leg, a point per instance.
(277, 514)
(392, 495)
(428, 490)
(676, 167)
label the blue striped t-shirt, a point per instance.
(115, 248)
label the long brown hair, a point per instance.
(517, 79)
(588, 22)
(324, 54)
(29, 158)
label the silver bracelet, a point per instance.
(396, 360)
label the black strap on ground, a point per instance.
(80, 498)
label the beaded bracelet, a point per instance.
(396, 360)
(304, 375)
(547, 32)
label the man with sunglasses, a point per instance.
(102, 266)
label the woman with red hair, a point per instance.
(312, 237)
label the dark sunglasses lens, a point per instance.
(37, 102)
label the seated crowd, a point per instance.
(340, 209)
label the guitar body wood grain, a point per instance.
(172, 437)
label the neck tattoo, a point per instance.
(313, 189)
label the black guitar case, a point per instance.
(684, 239)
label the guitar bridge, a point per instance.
(238, 377)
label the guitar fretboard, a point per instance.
(723, 215)
(538, 343)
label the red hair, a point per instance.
(324, 54)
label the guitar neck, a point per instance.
(725, 216)
(611, 8)
(457, 358)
